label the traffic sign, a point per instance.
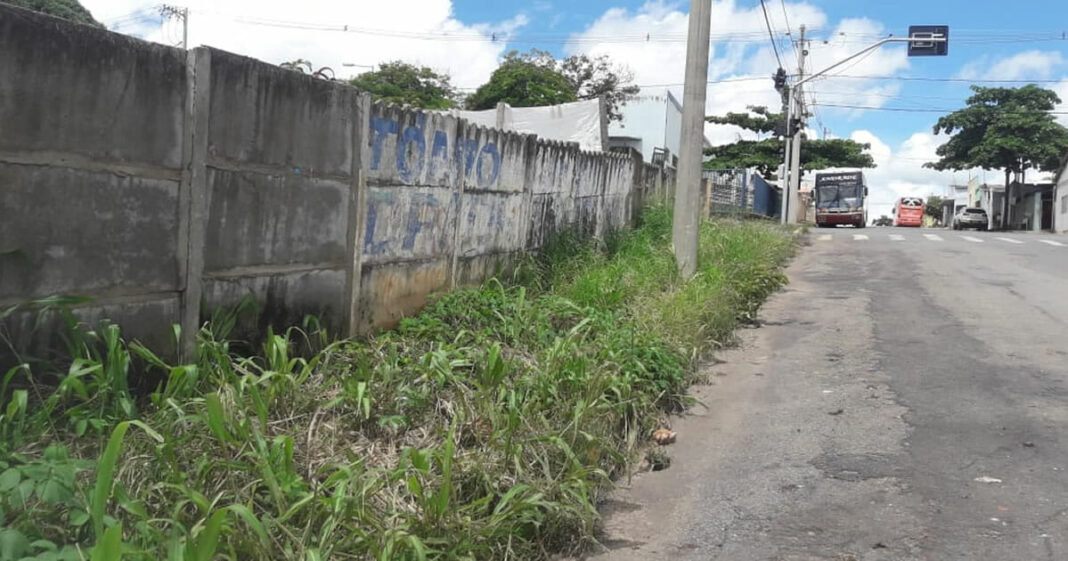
(928, 40)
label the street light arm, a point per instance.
(867, 50)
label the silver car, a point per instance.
(970, 218)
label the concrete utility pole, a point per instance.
(922, 40)
(169, 11)
(684, 228)
(795, 108)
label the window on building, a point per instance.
(1064, 204)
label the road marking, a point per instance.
(1010, 240)
(825, 238)
(859, 237)
(933, 237)
(1051, 242)
(971, 239)
(897, 238)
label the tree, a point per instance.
(1011, 129)
(407, 84)
(591, 78)
(766, 154)
(521, 83)
(536, 78)
(934, 207)
(66, 9)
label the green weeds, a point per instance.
(484, 428)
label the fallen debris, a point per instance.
(664, 437)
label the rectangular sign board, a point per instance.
(929, 40)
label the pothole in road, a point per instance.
(858, 467)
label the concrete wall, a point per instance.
(162, 184)
(91, 160)
(1060, 201)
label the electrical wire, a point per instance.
(936, 79)
(771, 34)
(909, 109)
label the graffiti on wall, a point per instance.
(412, 225)
(411, 157)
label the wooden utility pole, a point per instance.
(687, 219)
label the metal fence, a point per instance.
(736, 192)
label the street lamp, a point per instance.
(923, 40)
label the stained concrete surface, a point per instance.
(906, 399)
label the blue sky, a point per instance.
(987, 30)
(466, 38)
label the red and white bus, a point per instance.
(908, 212)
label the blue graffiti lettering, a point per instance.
(421, 206)
(412, 135)
(371, 247)
(466, 149)
(495, 157)
(381, 128)
(439, 152)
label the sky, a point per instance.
(886, 98)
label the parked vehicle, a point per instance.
(908, 212)
(971, 218)
(840, 199)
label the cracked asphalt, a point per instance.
(905, 399)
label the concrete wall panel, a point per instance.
(492, 223)
(39, 334)
(409, 147)
(276, 117)
(471, 271)
(258, 219)
(389, 292)
(409, 223)
(72, 231)
(283, 298)
(82, 90)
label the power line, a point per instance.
(677, 84)
(912, 109)
(771, 34)
(935, 79)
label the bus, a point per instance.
(840, 198)
(908, 212)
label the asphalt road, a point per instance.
(906, 399)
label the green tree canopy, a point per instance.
(934, 207)
(67, 9)
(536, 78)
(767, 154)
(404, 83)
(522, 83)
(1011, 129)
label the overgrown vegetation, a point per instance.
(484, 428)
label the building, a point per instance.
(989, 197)
(1060, 198)
(652, 125)
(1031, 207)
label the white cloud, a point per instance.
(741, 50)
(1062, 92)
(899, 171)
(413, 33)
(1021, 66)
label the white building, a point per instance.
(652, 125)
(1060, 198)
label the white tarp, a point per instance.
(569, 122)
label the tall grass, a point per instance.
(484, 428)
